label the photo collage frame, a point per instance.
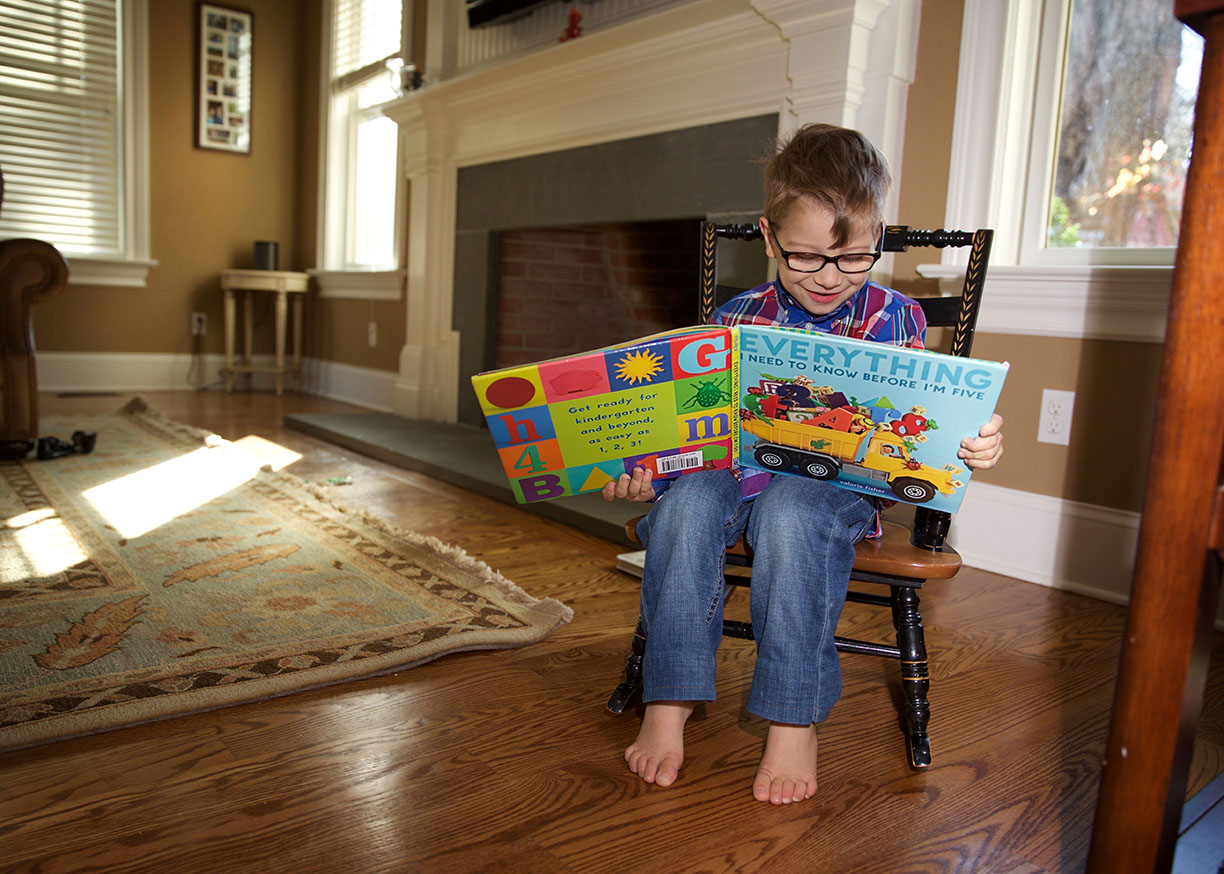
(223, 94)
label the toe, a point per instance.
(667, 771)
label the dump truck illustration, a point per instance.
(874, 451)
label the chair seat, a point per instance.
(891, 554)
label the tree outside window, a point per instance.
(1125, 126)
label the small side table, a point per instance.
(284, 283)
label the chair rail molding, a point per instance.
(1101, 303)
(688, 65)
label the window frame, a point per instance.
(1004, 134)
(336, 277)
(131, 267)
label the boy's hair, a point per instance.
(835, 167)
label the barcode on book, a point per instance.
(677, 463)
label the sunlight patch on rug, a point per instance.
(44, 546)
(146, 499)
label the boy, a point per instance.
(824, 195)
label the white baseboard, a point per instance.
(363, 386)
(122, 372)
(101, 371)
(1082, 548)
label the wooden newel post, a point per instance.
(1177, 570)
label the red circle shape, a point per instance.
(510, 391)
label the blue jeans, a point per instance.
(802, 532)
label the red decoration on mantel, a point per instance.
(574, 28)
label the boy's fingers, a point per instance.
(640, 488)
(983, 453)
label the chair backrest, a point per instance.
(959, 313)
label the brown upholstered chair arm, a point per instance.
(31, 271)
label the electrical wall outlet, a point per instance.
(373, 333)
(199, 324)
(1054, 424)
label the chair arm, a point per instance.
(31, 271)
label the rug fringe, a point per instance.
(456, 554)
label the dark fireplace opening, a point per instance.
(567, 290)
(568, 251)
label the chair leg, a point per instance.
(630, 691)
(914, 678)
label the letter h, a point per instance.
(513, 426)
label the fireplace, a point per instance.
(658, 118)
(573, 250)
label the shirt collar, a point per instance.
(796, 314)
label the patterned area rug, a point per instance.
(167, 573)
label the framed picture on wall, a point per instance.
(223, 79)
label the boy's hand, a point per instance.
(631, 488)
(984, 451)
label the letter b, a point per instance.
(541, 488)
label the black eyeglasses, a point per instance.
(810, 262)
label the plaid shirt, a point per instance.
(872, 313)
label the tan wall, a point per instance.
(1114, 382)
(207, 207)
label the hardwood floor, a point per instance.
(507, 761)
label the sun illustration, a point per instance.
(638, 367)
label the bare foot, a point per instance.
(788, 769)
(658, 752)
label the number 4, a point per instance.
(530, 460)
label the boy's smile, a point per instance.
(809, 229)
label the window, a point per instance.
(362, 188)
(1052, 115)
(73, 132)
(1116, 164)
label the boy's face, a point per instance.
(809, 228)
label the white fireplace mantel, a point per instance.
(846, 62)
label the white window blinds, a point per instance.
(366, 33)
(61, 124)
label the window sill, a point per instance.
(127, 272)
(360, 284)
(1098, 303)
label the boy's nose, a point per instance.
(828, 274)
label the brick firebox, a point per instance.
(569, 290)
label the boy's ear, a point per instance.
(765, 232)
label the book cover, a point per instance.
(879, 419)
(570, 425)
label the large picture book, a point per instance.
(570, 425)
(878, 419)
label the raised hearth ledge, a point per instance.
(704, 62)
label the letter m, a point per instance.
(705, 427)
